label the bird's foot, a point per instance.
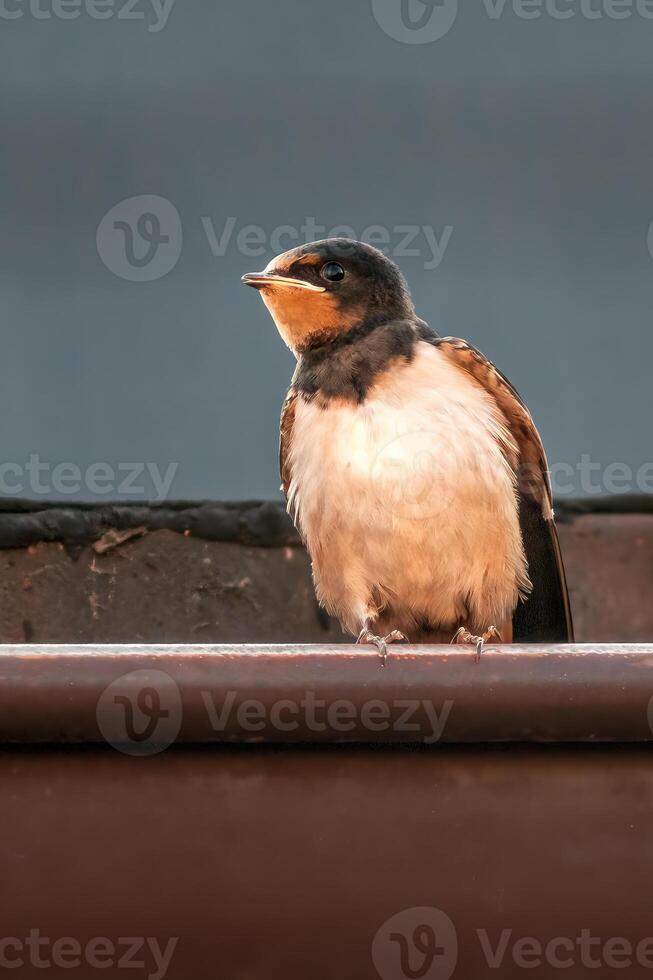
(381, 642)
(463, 635)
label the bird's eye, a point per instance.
(332, 272)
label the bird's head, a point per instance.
(319, 291)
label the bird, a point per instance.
(411, 466)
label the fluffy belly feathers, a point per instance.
(407, 503)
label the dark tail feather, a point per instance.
(545, 616)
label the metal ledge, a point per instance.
(143, 699)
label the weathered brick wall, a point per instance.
(126, 577)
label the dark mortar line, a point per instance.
(631, 503)
(256, 523)
(261, 524)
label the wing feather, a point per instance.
(545, 616)
(285, 439)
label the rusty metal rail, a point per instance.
(276, 861)
(145, 698)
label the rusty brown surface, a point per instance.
(162, 587)
(173, 587)
(286, 863)
(144, 699)
(609, 563)
(294, 860)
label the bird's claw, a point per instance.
(381, 642)
(463, 635)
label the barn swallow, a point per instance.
(411, 466)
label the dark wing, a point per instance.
(545, 616)
(285, 437)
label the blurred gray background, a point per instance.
(523, 145)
